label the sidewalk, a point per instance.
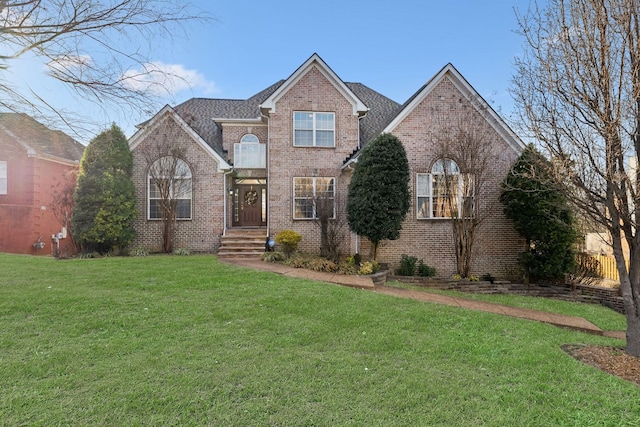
(363, 282)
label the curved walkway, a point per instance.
(363, 282)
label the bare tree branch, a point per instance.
(100, 49)
(577, 88)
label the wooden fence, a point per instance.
(607, 266)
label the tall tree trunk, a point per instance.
(374, 250)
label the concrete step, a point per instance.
(243, 243)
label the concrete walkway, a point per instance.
(363, 282)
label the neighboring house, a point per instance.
(34, 162)
(257, 163)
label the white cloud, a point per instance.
(159, 78)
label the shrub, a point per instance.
(369, 267)
(322, 264)
(273, 257)
(288, 240)
(140, 252)
(182, 252)
(297, 261)
(425, 271)
(407, 265)
(378, 198)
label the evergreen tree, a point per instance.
(542, 216)
(104, 204)
(378, 199)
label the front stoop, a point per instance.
(243, 243)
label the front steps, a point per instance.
(243, 243)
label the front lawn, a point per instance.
(168, 340)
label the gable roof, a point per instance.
(162, 115)
(269, 104)
(453, 75)
(40, 141)
(381, 111)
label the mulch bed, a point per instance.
(612, 360)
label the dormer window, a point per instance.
(311, 129)
(249, 153)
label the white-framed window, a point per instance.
(313, 129)
(445, 192)
(3, 177)
(313, 195)
(169, 184)
(249, 153)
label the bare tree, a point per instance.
(96, 47)
(170, 187)
(465, 185)
(577, 88)
(62, 202)
(330, 216)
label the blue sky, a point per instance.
(393, 47)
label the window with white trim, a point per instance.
(249, 153)
(445, 192)
(311, 195)
(169, 185)
(3, 177)
(311, 129)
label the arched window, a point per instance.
(445, 192)
(169, 189)
(249, 153)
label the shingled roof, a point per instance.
(381, 111)
(199, 113)
(39, 140)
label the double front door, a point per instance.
(250, 205)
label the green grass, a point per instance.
(603, 317)
(168, 340)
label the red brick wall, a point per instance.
(25, 211)
(201, 233)
(497, 244)
(313, 92)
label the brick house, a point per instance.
(34, 162)
(257, 163)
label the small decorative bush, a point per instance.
(140, 252)
(424, 270)
(322, 264)
(288, 241)
(273, 257)
(182, 252)
(297, 261)
(369, 267)
(407, 265)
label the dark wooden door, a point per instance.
(250, 205)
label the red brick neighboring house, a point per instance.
(33, 160)
(254, 162)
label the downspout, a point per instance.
(224, 201)
(268, 154)
(357, 237)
